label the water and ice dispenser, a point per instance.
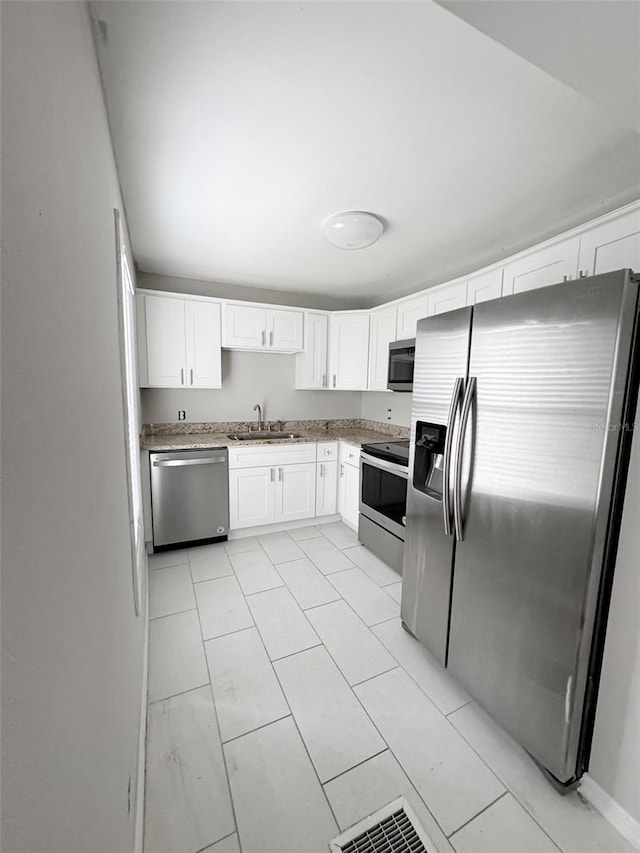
(429, 459)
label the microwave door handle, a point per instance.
(457, 471)
(448, 442)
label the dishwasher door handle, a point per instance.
(180, 463)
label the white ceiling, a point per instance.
(239, 127)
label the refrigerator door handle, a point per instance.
(446, 498)
(457, 471)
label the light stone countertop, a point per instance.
(356, 433)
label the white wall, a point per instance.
(249, 378)
(376, 403)
(200, 287)
(72, 647)
(615, 757)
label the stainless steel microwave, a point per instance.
(400, 370)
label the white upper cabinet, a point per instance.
(202, 324)
(409, 312)
(447, 298)
(613, 245)
(349, 350)
(485, 286)
(549, 265)
(382, 331)
(178, 342)
(284, 330)
(255, 328)
(312, 364)
(244, 327)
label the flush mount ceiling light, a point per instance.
(354, 229)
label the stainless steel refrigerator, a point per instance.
(520, 436)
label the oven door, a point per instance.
(400, 369)
(383, 493)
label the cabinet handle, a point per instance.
(342, 469)
(263, 337)
(192, 376)
(321, 471)
(334, 380)
(270, 339)
(273, 476)
(324, 380)
(279, 475)
(582, 273)
(182, 375)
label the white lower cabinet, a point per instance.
(295, 492)
(327, 488)
(252, 497)
(268, 484)
(349, 484)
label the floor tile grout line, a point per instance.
(228, 634)
(459, 708)
(358, 764)
(482, 811)
(232, 574)
(177, 613)
(257, 728)
(371, 677)
(304, 746)
(224, 838)
(299, 652)
(215, 709)
(406, 671)
(168, 615)
(400, 764)
(502, 781)
(180, 693)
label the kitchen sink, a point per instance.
(261, 436)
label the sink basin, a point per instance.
(261, 436)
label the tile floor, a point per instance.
(287, 703)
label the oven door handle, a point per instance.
(398, 470)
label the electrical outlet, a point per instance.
(182, 415)
(388, 414)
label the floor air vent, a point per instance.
(392, 829)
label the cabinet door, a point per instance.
(202, 321)
(483, 287)
(295, 491)
(447, 298)
(251, 497)
(611, 246)
(245, 326)
(349, 494)
(540, 269)
(284, 330)
(327, 488)
(349, 351)
(382, 331)
(166, 341)
(409, 312)
(311, 364)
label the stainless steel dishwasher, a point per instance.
(189, 496)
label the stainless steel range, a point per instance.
(383, 500)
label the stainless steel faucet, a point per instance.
(258, 408)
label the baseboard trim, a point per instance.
(142, 735)
(261, 530)
(612, 811)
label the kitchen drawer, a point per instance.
(327, 451)
(261, 455)
(349, 454)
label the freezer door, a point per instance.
(442, 351)
(551, 369)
